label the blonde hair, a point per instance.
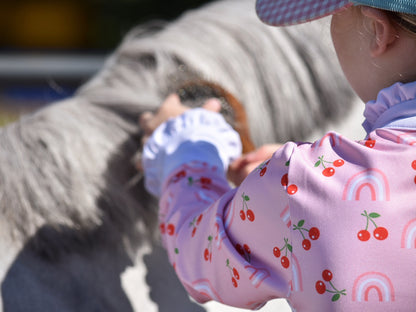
(405, 21)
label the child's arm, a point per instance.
(232, 246)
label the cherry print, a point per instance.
(306, 244)
(194, 224)
(246, 211)
(284, 261)
(198, 221)
(233, 272)
(208, 250)
(364, 235)
(239, 249)
(236, 274)
(276, 252)
(170, 229)
(181, 174)
(285, 180)
(329, 171)
(313, 233)
(379, 233)
(250, 215)
(205, 180)
(327, 275)
(206, 254)
(162, 228)
(321, 287)
(370, 143)
(414, 164)
(263, 168)
(244, 250)
(292, 189)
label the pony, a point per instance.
(78, 231)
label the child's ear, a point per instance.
(383, 32)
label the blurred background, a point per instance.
(49, 47)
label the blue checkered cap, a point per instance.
(290, 12)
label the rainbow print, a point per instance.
(407, 138)
(333, 138)
(409, 235)
(296, 283)
(258, 275)
(370, 283)
(285, 216)
(372, 180)
(204, 287)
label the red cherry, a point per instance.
(276, 252)
(233, 280)
(206, 254)
(198, 221)
(414, 164)
(363, 235)
(306, 244)
(327, 275)
(204, 180)
(314, 233)
(338, 163)
(328, 172)
(320, 287)
(263, 171)
(415, 179)
(247, 249)
(292, 189)
(170, 229)
(239, 249)
(370, 143)
(193, 231)
(242, 215)
(162, 228)
(236, 274)
(285, 262)
(380, 233)
(285, 180)
(250, 215)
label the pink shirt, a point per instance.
(331, 226)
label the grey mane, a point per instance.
(67, 172)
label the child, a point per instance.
(330, 226)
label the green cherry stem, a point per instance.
(336, 291)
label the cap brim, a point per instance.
(291, 12)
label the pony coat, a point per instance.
(78, 231)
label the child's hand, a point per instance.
(241, 167)
(170, 108)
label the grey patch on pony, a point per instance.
(75, 215)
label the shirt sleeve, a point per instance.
(230, 245)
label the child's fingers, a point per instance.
(213, 105)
